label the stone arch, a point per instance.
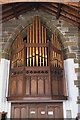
(22, 27)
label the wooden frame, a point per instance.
(39, 58)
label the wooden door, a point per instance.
(37, 110)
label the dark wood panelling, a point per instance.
(37, 68)
(37, 110)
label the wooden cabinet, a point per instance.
(37, 67)
(37, 110)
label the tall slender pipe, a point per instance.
(45, 48)
(27, 47)
(33, 47)
(43, 42)
(40, 40)
(30, 47)
(52, 39)
(36, 40)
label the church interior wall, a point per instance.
(71, 47)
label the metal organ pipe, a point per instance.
(43, 42)
(33, 47)
(36, 40)
(28, 47)
(45, 48)
(36, 56)
(40, 40)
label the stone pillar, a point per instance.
(70, 106)
(4, 78)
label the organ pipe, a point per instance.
(52, 39)
(40, 40)
(36, 29)
(43, 42)
(33, 56)
(36, 56)
(36, 40)
(30, 56)
(33, 47)
(45, 48)
(30, 47)
(27, 56)
(39, 31)
(33, 31)
(38, 53)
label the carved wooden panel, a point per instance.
(57, 112)
(46, 85)
(27, 85)
(13, 86)
(33, 86)
(51, 112)
(40, 86)
(55, 87)
(19, 86)
(17, 113)
(60, 87)
(42, 112)
(23, 112)
(32, 112)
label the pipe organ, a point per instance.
(37, 56)
(37, 65)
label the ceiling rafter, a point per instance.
(20, 11)
(14, 10)
(49, 10)
(58, 11)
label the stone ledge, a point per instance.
(70, 55)
(69, 43)
(77, 83)
(78, 98)
(77, 70)
(5, 55)
(78, 77)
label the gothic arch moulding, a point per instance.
(22, 26)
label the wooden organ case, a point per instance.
(37, 67)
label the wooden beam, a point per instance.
(70, 11)
(67, 9)
(8, 7)
(47, 7)
(58, 11)
(21, 10)
(49, 10)
(71, 3)
(14, 10)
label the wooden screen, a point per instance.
(57, 67)
(37, 68)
